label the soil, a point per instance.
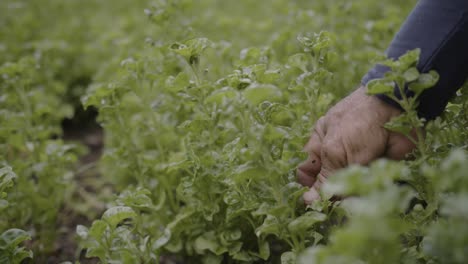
(84, 130)
(90, 187)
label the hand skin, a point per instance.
(352, 132)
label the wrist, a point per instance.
(382, 104)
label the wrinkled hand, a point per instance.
(351, 132)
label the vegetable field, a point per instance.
(169, 131)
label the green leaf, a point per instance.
(263, 249)
(317, 43)
(258, 93)
(82, 231)
(115, 215)
(270, 76)
(446, 240)
(212, 259)
(208, 242)
(97, 229)
(13, 237)
(98, 252)
(163, 240)
(425, 81)
(21, 254)
(7, 176)
(198, 45)
(270, 226)
(136, 199)
(401, 124)
(411, 74)
(380, 86)
(299, 60)
(305, 221)
(455, 206)
(181, 49)
(191, 49)
(409, 59)
(248, 171)
(288, 257)
(222, 95)
(9, 242)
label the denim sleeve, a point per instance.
(440, 29)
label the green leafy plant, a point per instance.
(10, 252)
(10, 240)
(403, 73)
(205, 108)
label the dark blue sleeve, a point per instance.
(440, 29)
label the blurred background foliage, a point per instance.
(158, 74)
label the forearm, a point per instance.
(440, 29)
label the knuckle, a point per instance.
(303, 167)
(321, 179)
(319, 127)
(305, 178)
(320, 121)
(334, 113)
(333, 149)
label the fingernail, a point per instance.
(310, 196)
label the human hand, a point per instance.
(352, 132)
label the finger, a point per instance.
(321, 179)
(398, 147)
(308, 170)
(366, 155)
(333, 157)
(313, 193)
(310, 196)
(315, 140)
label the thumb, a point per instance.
(313, 193)
(398, 146)
(333, 155)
